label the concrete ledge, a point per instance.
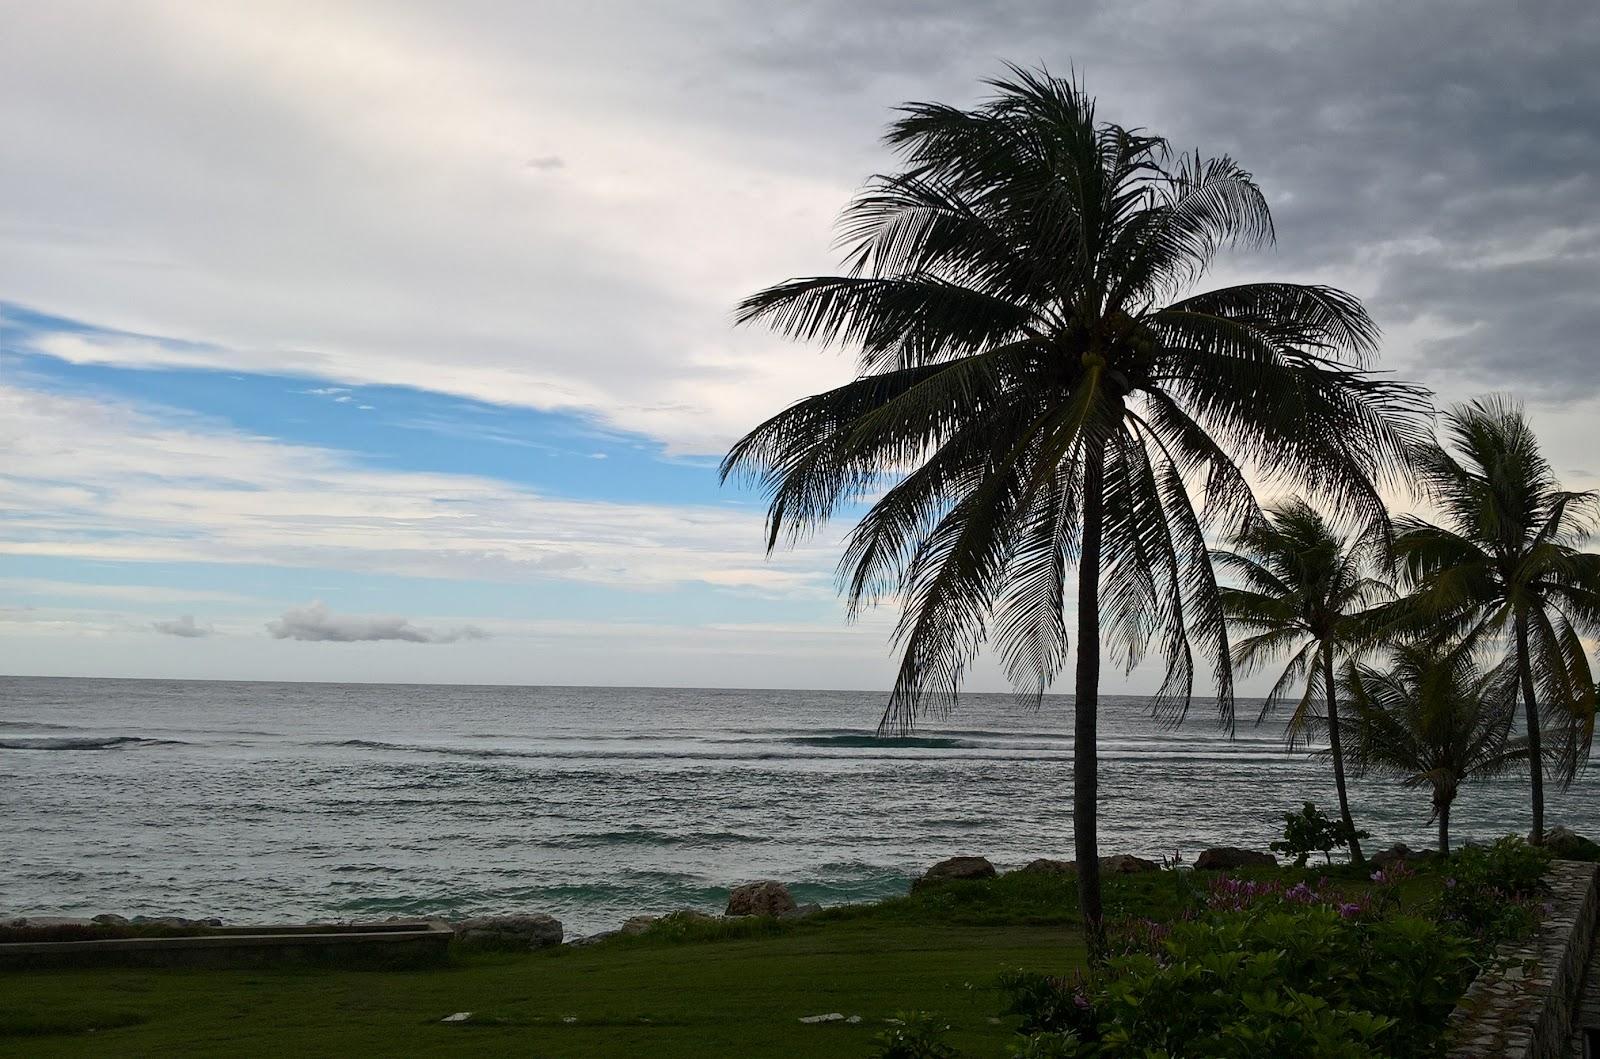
(1522, 1007)
(381, 946)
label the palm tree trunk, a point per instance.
(1086, 702)
(1336, 745)
(1443, 811)
(1531, 706)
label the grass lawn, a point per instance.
(737, 997)
(734, 989)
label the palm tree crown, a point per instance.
(1505, 570)
(1435, 719)
(1038, 390)
(1303, 592)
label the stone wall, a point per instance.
(1522, 1007)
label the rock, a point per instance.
(801, 911)
(460, 1016)
(832, 1016)
(50, 921)
(1046, 866)
(690, 915)
(1398, 852)
(110, 919)
(638, 925)
(510, 932)
(764, 898)
(594, 939)
(1227, 857)
(854, 1020)
(955, 869)
(1126, 864)
(1567, 844)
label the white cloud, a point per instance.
(37, 586)
(370, 195)
(90, 479)
(318, 624)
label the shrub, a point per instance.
(1490, 892)
(1310, 831)
(920, 1035)
(1292, 979)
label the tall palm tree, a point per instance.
(1434, 718)
(1506, 569)
(1305, 593)
(1037, 390)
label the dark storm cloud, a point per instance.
(1441, 158)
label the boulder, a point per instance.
(1567, 844)
(801, 911)
(955, 869)
(764, 898)
(510, 932)
(1222, 858)
(110, 919)
(1398, 852)
(638, 925)
(690, 915)
(1126, 864)
(1046, 866)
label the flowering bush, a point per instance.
(1299, 978)
(1491, 892)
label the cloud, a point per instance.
(342, 191)
(92, 479)
(183, 626)
(318, 624)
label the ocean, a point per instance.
(263, 802)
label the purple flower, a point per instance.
(1349, 911)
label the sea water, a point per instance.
(264, 802)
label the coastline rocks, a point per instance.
(955, 869)
(1397, 852)
(1046, 866)
(1227, 857)
(801, 911)
(638, 925)
(110, 919)
(173, 921)
(764, 898)
(510, 932)
(1126, 864)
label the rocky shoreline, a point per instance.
(762, 898)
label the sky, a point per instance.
(393, 341)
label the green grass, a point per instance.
(723, 988)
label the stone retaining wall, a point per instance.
(1522, 1007)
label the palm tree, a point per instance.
(1435, 719)
(1506, 568)
(1036, 392)
(1304, 593)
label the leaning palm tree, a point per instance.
(1038, 390)
(1506, 571)
(1435, 719)
(1304, 592)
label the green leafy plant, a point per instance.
(919, 1035)
(1310, 831)
(1490, 892)
(1292, 980)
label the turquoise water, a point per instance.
(260, 802)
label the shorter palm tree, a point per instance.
(1303, 592)
(1434, 718)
